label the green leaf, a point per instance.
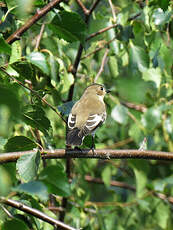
(33, 188)
(162, 214)
(161, 17)
(160, 3)
(155, 60)
(16, 52)
(37, 119)
(120, 114)
(38, 59)
(39, 3)
(67, 81)
(27, 166)
(54, 70)
(5, 182)
(55, 179)
(66, 107)
(5, 48)
(25, 70)
(160, 184)
(138, 58)
(168, 125)
(69, 26)
(151, 118)
(19, 143)
(9, 97)
(136, 133)
(124, 33)
(154, 75)
(106, 175)
(140, 171)
(14, 224)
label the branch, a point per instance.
(39, 36)
(140, 107)
(94, 6)
(87, 153)
(40, 13)
(102, 65)
(101, 31)
(79, 53)
(112, 183)
(134, 16)
(113, 11)
(34, 92)
(129, 187)
(85, 10)
(98, 49)
(36, 213)
(120, 143)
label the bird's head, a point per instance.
(96, 89)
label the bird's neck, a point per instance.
(100, 98)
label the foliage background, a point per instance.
(138, 70)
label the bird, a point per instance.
(86, 115)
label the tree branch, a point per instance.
(40, 13)
(36, 213)
(39, 36)
(112, 183)
(79, 53)
(87, 153)
(98, 49)
(129, 187)
(102, 65)
(101, 31)
(85, 10)
(113, 11)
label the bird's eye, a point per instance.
(101, 88)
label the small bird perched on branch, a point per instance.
(87, 115)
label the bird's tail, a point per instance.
(73, 137)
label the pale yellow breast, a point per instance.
(87, 106)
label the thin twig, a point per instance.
(34, 92)
(6, 211)
(102, 65)
(134, 16)
(140, 107)
(113, 11)
(85, 10)
(120, 143)
(35, 212)
(129, 187)
(94, 6)
(112, 183)
(40, 13)
(101, 31)
(98, 49)
(87, 153)
(39, 36)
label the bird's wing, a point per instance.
(93, 122)
(71, 121)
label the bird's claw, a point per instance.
(77, 149)
(92, 149)
(108, 156)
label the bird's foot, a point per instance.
(92, 149)
(77, 149)
(108, 156)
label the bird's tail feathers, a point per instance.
(73, 137)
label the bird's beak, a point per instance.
(108, 91)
